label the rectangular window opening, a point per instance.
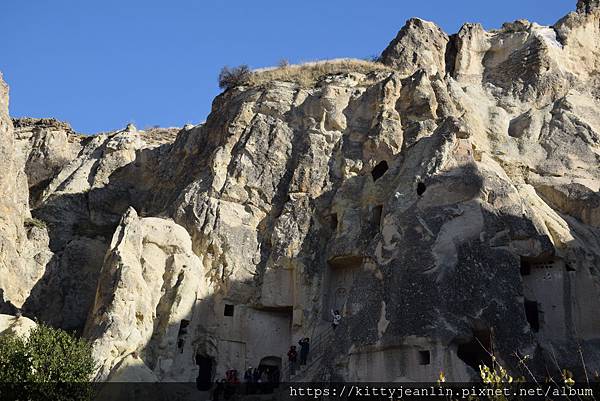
(376, 214)
(424, 358)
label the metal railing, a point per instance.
(316, 352)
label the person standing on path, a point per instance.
(304, 349)
(292, 358)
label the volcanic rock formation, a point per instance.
(445, 200)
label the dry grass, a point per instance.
(307, 74)
(30, 222)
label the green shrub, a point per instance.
(49, 364)
(15, 360)
(47, 355)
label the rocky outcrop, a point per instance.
(419, 45)
(587, 6)
(23, 246)
(47, 145)
(444, 203)
(13, 325)
(81, 204)
(149, 284)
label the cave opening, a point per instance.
(376, 214)
(205, 371)
(182, 332)
(379, 170)
(228, 311)
(421, 188)
(271, 366)
(424, 357)
(532, 313)
(525, 267)
(478, 350)
(333, 221)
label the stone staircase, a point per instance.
(318, 349)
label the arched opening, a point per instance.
(205, 372)
(421, 188)
(270, 371)
(477, 351)
(379, 170)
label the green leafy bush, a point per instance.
(49, 364)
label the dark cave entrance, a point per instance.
(228, 310)
(182, 333)
(424, 357)
(525, 267)
(333, 221)
(421, 188)
(532, 313)
(204, 379)
(477, 351)
(376, 214)
(271, 366)
(379, 170)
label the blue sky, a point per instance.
(101, 64)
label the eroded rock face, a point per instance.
(149, 283)
(448, 203)
(13, 325)
(419, 45)
(23, 246)
(587, 6)
(82, 186)
(48, 145)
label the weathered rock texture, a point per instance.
(443, 206)
(12, 325)
(150, 278)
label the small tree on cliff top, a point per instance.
(230, 77)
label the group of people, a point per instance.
(256, 380)
(293, 354)
(265, 378)
(305, 345)
(261, 379)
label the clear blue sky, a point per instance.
(101, 64)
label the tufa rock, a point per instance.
(442, 203)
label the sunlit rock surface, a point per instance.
(446, 203)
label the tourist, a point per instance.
(336, 318)
(304, 348)
(264, 381)
(292, 357)
(219, 390)
(249, 379)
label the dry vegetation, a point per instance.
(307, 74)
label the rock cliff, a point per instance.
(444, 199)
